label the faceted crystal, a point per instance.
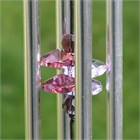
(69, 70)
(59, 84)
(57, 59)
(96, 87)
(98, 68)
(68, 106)
(66, 84)
(68, 43)
(71, 93)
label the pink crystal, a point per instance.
(98, 68)
(68, 43)
(96, 87)
(59, 84)
(57, 59)
(66, 84)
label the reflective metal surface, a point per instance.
(32, 69)
(114, 63)
(83, 58)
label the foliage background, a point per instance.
(12, 69)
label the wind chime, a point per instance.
(71, 59)
(63, 59)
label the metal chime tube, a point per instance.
(60, 117)
(114, 61)
(64, 26)
(67, 20)
(83, 58)
(32, 72)
(66, 30)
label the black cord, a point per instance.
(71, 16)
(72, 126)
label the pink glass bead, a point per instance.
(59, 84)
(57, 59)
(68, 43)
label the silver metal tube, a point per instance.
(60, 116)
(66, 30)
(114, 61)
(67, 20)
(32, 69)
(83, 58)
(66, 16)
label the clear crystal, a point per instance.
(98, 68)
(96, 87)
(69, 70)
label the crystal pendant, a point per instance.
(96, 87)
(98, 68)
(69, 70)
(57, 59)
(68, 43)
(68, 106)
(59, 84)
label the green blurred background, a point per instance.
(12, 69)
